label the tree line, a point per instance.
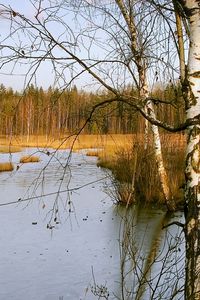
(54, 113)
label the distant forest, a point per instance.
(55, 113)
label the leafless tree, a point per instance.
(118, 42)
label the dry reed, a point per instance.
(83, 141)
(126, 162)
(6, 166)
(119, 156)
(9, 149)
(94, 152)
(29, 159)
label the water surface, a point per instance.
(84, 247)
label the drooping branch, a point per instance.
(137, 106)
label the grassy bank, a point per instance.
(9, 149)
(6, 167)
(135, 171)
(29, 159)
(81, 142)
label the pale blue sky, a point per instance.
(45, 76)
(14, 77)
(16, 81)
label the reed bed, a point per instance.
(9, 149)
(83, 141)
(94, 152)
(29, 159)
(6, 167)
(135, 171)
(125, 156)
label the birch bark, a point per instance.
(169, 200)
(192, 172)
(170, 203)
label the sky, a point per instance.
(18, 75)
(16, 80)
(14, 75)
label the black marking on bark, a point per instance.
(189, 12)
(190, 160)
(188, 175)
(192, 235)
(194, 122)
(192, 98)
(193, 133)
(188, 94)
(196, 129)
(195, 162)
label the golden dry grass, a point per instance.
(102, 141)
(116, 153)
(29, 159)
(22, 141)
(9, 149)
(86, 141)
(121, 161)
(77, 143)
(6, 166)
(94, 152)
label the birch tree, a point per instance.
(191, 10)
(139, 56)
(187, 16)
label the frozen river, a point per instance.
(60, 247)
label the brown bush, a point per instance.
(29, 159)
(5, 167)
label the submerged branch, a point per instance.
(174, 223)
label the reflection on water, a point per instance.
(93, 245)
(152, 259)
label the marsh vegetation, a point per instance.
(29, 159)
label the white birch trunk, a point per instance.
(136, 49)
(192, 194)
(157, 147)
(146, 131)
(159, 161)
